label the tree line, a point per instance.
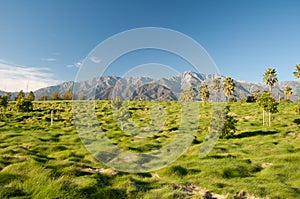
(68, 95)
(24, 103)
(263, 98)
(228, 86)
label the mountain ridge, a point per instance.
(108, 87)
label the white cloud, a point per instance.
(77, 65)
(50, 59)
(15, 78)
(96, 60)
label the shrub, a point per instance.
(297, 109)
(43, 98)
(250, 99)
(222, 125)
(20, 95)
(243, 99)
(24, 105)
(229, 128)
(55, 96)
(68, 95)
(285, 100)
(232, 99)
(31, 96)
(4, 101)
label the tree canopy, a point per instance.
(204, 92)
(31, 96)
(216, 85)
(188, 95)
(297, 71)
(4, 101)
(68, 95)
(288, 91)
(20, 95)
(270, 77)
(228, 86)
(55, 96)
(268, 104)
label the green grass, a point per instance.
(42, 161)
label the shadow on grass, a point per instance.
(254, 133)
(222, 156)
(297, 121)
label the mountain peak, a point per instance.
(104, 87)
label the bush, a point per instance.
(243, 99)
(229, 128)
(232, 99)
(68, 95)
(223, 124)
(285, 100)
(31, 96)
(43, 98)
(4, 101)
(250, 99)
(20, 95)
(297, 109)
(24, 105)
(55, 96)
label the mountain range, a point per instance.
(146, 88)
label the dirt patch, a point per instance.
(110, 172)
(266, 164)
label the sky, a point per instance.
(44, 43)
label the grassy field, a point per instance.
(42, 161)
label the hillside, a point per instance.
(152, 92)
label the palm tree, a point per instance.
(228, 86)
(270, 77)
(216, 86)
(204, 92)
(288, 92)
(297, 72)
(188, 95)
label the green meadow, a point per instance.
(38, 160)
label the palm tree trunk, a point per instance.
(269, 118)
(51, 122)
(216, 97)
(122, 126)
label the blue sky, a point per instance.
(44, 42)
